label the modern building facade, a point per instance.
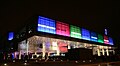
(45, 36)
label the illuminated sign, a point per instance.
(85, 34)
(93, 36)
(10, 35)
(75, 32)
(100, 38)
(62, 29)
(56, 27)
(46, 25)
(106, 41)
(110, 41)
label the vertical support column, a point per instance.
(27, 46)
(98, 51)
(48, 54)
(103, 52)
(36, 54)
(94, 50)
(57, 48)
(114, 52)
(107, 52)
(19, 54)
(58, 51)
(15, 57)
(43, 50)
(69, 46)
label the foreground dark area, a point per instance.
(57, 63)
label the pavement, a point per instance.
(55, 63)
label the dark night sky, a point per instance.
(92, 14)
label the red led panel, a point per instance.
(62, 29)
(58, 28)
(106, 41)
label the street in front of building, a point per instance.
(58, 63)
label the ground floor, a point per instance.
(38, 46)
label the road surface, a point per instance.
(57, 63)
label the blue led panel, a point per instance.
(93, 36)
(10, 35)
(110, 41)
(46, 25)
(85, 34)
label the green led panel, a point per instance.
(100, 38)
(75, 31)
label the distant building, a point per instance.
(45, 35)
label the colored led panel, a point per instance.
(93, 36)
(110, 41)
(62, 29)
(106, 41)
(85, 34)
(10, 35)
(100, 38)
(46, 25)
(75, 32)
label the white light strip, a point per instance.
(94, 37)
(106, 40)
(46, 26)
(76, 33)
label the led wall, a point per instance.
(46, 25)
(100, 38)
(106, 41)
(110, 41)
(56, 27)
(62, 29)
(75, 32)
(10, 35)
(93, 36)
(85, 34)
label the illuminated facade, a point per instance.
(44, 35)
